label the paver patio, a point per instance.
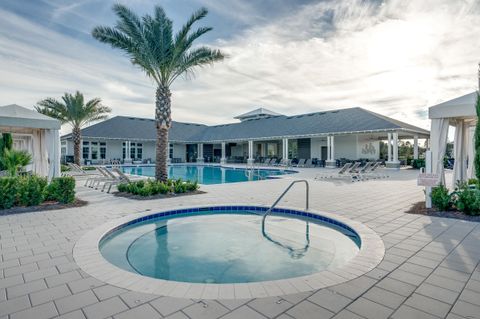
(430, 270)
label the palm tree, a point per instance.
(150, 45)
(74, 111)
(14, 160)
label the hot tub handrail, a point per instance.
(307, 196)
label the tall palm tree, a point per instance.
(74, 111)
(150, 45)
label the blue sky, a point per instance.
(394, 57)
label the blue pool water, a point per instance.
(229, 247)
(207, 174)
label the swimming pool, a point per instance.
(221, 245)
(208, 174)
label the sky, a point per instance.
(394, 57)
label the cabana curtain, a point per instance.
(460, 150)
(439, 135)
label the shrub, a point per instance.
(14, 160)
(31, 190)
(151, 187)
(89, 168)
(61, 189)
(441, 199)
(418, 163)
(8, 191)
(467, 200)
(472, 181)
(64, 168)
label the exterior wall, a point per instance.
(180, 151)
(345, 146)
(368, 148)
(348, 146)
(239, 150)
(316, 147)
(149, 151)
(114, 149)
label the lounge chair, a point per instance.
(301, 162)
(122, 178)
(372, 172)
(308, 163)
(278, 162)
(341, 171)
(95, 181)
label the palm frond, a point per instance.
(196, 58)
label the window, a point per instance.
(124, 150)
(94, 150)
(103, 150)
(170, 151)
(86, 150)
(139, 151)
(132, 150)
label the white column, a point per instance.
(395, 147)
(285, 149)
(330, 162)
(250, 159)
(223, 159)
(328, 149)
(393, 161)
(200, 153)
(127, 159)
(389, 147)
(415, 147)
(332, 148)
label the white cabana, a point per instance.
(460, 113)
(36, 133)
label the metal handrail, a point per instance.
(307, 196)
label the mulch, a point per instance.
(158, 196)
(49, 205)
(420, 209)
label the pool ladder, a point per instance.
(294, 253)
(307, 196)
(251, 168)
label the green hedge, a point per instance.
(34, 190)
(418, 163)
(152, 187)
(465, 198)
(62, 190)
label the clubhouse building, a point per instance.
(324, 137)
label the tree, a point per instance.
(74, 111)
(150, 45)
(477, 139)
(13, 160)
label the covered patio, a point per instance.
(35, 133)
(461, 114)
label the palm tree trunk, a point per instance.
(76, 136)
(163, 120)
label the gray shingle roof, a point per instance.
(320, 123)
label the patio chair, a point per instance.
(372, 172)
(95, 181)
(308, 163)
(301, 163)
(341, 171)
(278, 162)
(122, 178)
(75, 169)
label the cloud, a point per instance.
(394, 57)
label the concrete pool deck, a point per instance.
(430, 269)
